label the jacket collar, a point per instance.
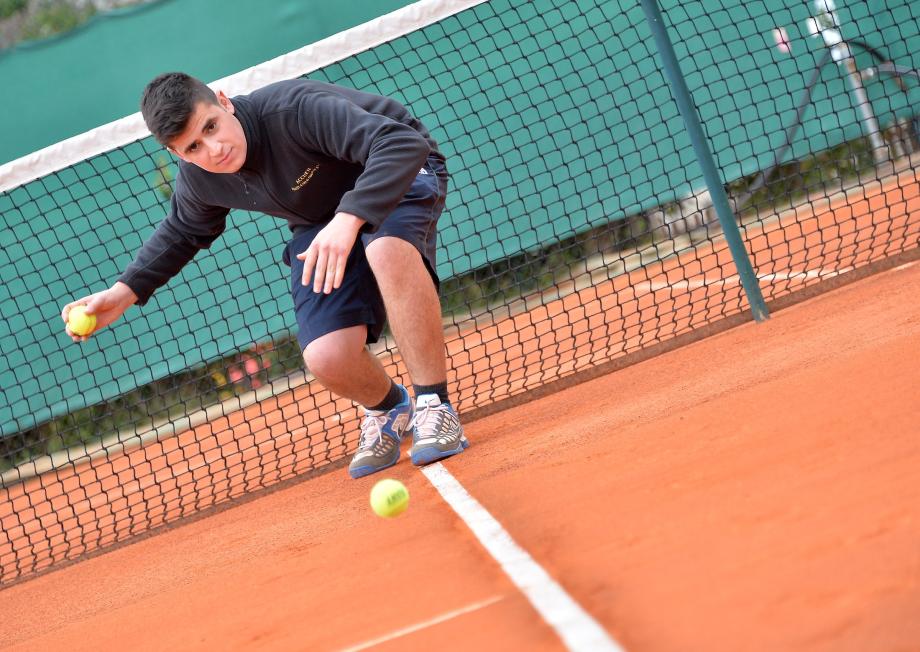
(252, 131)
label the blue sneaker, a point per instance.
(437, 432)
(381, 433)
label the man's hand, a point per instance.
(107, 305)
(328, 252)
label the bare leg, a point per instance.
(413, 307)
(341, 362)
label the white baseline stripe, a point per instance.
(735, 280)
(428, 623)
(578, 630)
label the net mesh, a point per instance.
(578, 231)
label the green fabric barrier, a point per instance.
(555, 118)
(60, 87)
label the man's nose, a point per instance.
(213, 147)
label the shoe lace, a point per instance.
(423, 427)
(371, 429)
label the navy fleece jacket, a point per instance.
(313, 150)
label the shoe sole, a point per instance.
(429, 455)
(362, 471)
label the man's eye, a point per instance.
(212, 126)
(193, 147)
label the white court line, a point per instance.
(905, 266)
(735, 279)
(428, 623)
(577, 629)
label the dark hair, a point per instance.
(169, 101)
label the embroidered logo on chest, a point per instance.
(304, 178)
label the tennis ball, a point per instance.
(79, 322)
(389, 498)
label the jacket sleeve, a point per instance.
(189, 227)
(391, 152)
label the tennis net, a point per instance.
(578, 236)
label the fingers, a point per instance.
(326, 268)
(93, 300)
(103, 308)
(321, 271)
(93, 306)
(74, 336)
(331, 270)
(334, 273)
(339, 272)
(92, 303)
(309, 262)
(325, 261)
(65, 312)
(65, 315)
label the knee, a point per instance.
(333, 355)
(392, 258)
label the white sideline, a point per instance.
(577, 629)
(423, 625)
(293, 64)
(735, 279)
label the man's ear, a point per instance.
(225, 102)
(175, 153)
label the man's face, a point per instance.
(213, 138)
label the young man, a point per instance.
(361, 185)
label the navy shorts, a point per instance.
(357, 301)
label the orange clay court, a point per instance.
(755, 490)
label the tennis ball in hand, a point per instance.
(79, 322)
(389, 498)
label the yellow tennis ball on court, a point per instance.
(79, 322)
(389, 498)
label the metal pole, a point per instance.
(707, 163)
(826, 25)
(879, 149)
